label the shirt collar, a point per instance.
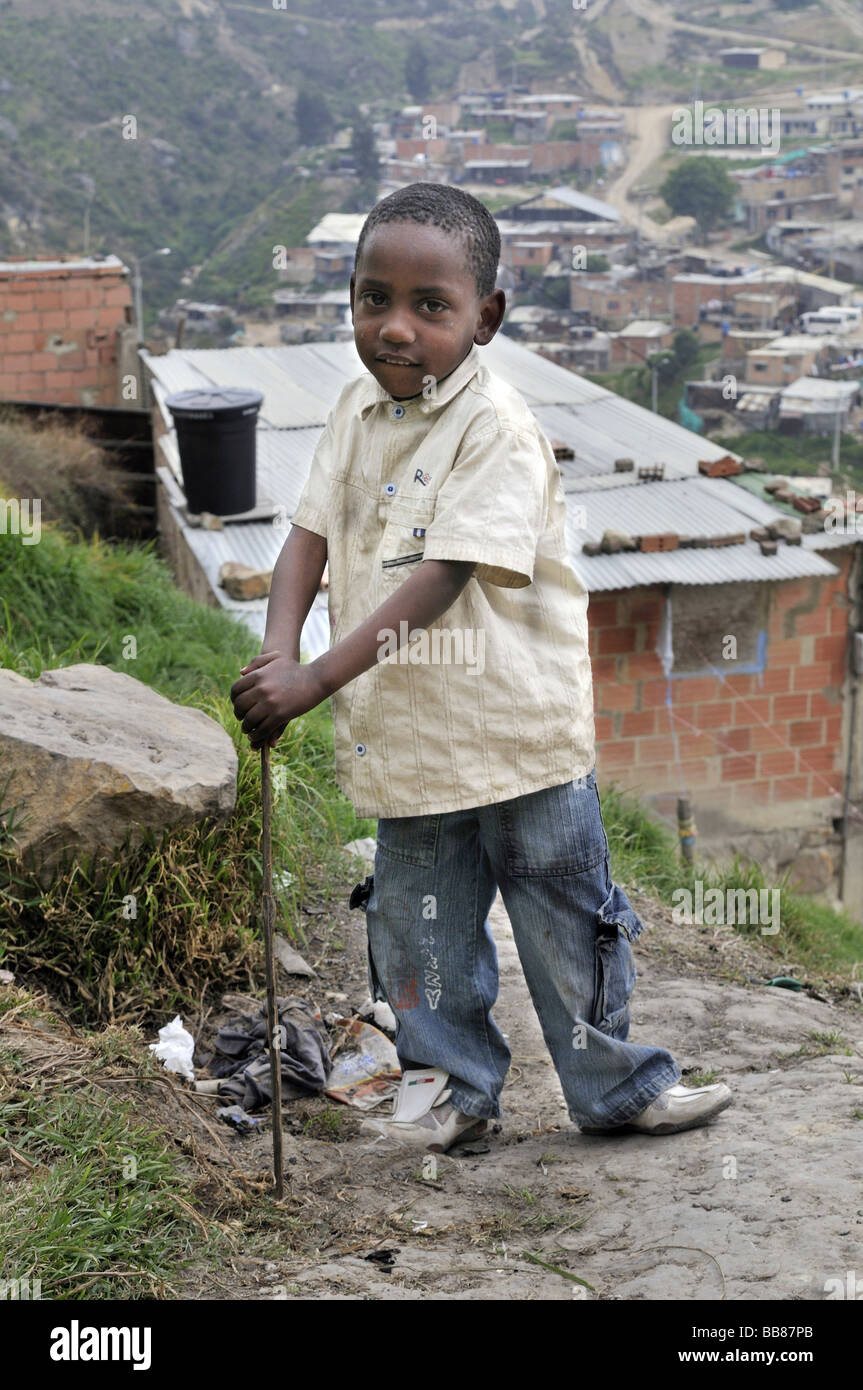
(420, 405)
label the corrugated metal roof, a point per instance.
(583, 202)
(554, 226)
(301, 383)
(341, 228)
(688, 505)
(761, 509)
(605, 482)
(497, 164)
(816, 388)
(645, 328)
(730, 565)
(692, 506)
(612, 428)
(253, 543)
(600, 436)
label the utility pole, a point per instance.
(654, 390)
(836, 437)
(138, 289)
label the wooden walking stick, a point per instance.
(268, 913)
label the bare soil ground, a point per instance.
(764, 1203)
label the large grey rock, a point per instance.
(94, 753)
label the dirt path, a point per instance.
(648, 128)
(765, 1203)
(659, 14)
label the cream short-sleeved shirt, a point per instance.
(495, 699)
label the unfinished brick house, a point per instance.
(750, 712)
(66, 334)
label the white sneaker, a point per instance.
(676, 1108)
(423, 1116)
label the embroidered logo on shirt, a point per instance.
(419, 531)
(421, 477)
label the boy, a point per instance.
(436, 501)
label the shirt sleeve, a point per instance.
(313, 507)
(492, 507)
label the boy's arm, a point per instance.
(275, 688)
(296, 580)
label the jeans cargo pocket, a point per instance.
(558, 830)
(617, 925)
(618, 909)
(410, 839)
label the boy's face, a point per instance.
(416, 308)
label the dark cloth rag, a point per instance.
(242, 1055)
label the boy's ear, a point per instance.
(491, 314)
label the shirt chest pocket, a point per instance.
(403, 543)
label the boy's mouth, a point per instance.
(392, 360)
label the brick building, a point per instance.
(767, 736)
(755, 733)
(617, 297)
(66, 334)
(639, 339)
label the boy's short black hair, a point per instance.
(451, 209)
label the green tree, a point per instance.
(313, 117)
(685, 349)
(363, 151)
(701, 188)
(417, 72)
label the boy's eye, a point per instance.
(375, 297)
(435, 305)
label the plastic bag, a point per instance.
(175, 1048)
(365, 1067)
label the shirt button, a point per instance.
(398, 411)
(390, 489)
(360, 749)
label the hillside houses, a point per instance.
(500, 136)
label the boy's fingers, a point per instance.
(254, 722)
(244, 700)
(261, 735)
(268, 730)
(244, 684)
(257, 661)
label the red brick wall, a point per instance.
(547, 156)
(637, 349)
(777, 741)
(632, 299)
(518, 256)
(433, 149)
(58, 334)
(689, 295)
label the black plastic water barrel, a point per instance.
(216, 440)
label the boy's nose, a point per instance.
(397, 329)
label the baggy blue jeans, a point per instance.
(432, 956)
